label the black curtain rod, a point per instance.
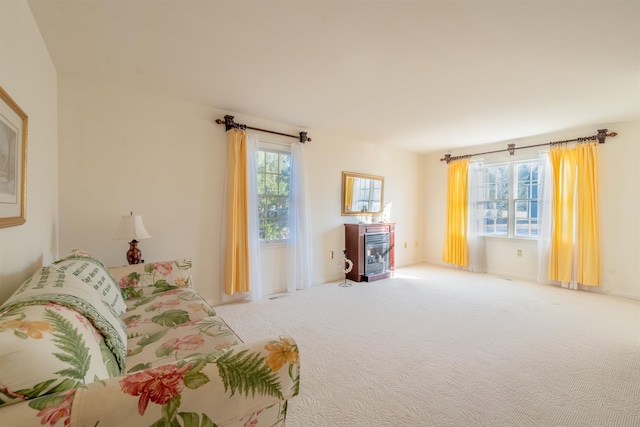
(230, 124)
(511, 148)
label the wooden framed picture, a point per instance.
(13, 162)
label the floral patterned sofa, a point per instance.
(85, 345)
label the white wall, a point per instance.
(28, 75)
(619, 193)
(620, 210)
(123, 150)
(329, 156)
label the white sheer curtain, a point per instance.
(300, 258)
(255, 281)
(545, 218)
(476, 218)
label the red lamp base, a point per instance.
(134, 255)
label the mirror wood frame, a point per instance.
(345, 211)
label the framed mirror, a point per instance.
(362, 194)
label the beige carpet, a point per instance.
(440, 347)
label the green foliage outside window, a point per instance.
(273, 176)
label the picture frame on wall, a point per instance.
(13, 162)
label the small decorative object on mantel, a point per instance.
(132, 228)
(386, 213)
(345, 265)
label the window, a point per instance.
(508, 195)
(496, 199)
(273, 179)
(367, 195)
(526, 199)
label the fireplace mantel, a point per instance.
(365, 257)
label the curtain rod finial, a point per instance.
(602, 134)
(228, 122)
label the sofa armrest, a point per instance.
(162, 276)
(204, 390)
(222, 386)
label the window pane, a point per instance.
(261, 165)
(261, 183)
(533, 209)
(490, 175)
(522, 229)
(490, 192)
(262, 207)
(503, 173)
(267, 230)
(271, 162)
(503, 190)
(271, 186)
(502, 226)
(523, 190)
(489, 226)
(491, 212)
(509, 201)
(283, 229)
(272, 206)
(502, 208)
(285, 164)
(495, 206)
(523, 172)
(526, 218)
(273, 181)
(522, 208)
(283, 187)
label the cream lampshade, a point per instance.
(132, 228)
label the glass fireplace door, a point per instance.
(376, 253)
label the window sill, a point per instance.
(514, 238)
(275, 244)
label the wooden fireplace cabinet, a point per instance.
(355, 245)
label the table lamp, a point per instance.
(131, 228)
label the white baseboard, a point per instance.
(623, 294)
(511, 275)
(335, 279)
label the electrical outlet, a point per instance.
(330, 254)
(519, 252)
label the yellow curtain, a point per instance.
(455, 243)
(588, 215)
(237, 253)
(575, 221)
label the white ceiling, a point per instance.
(417, 75)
